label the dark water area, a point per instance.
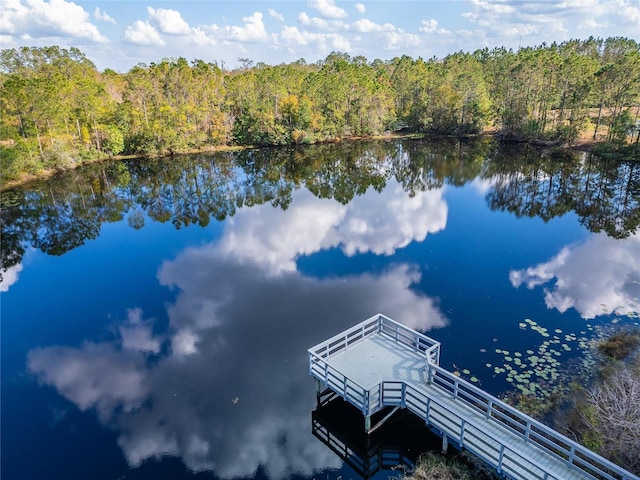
(156, 314)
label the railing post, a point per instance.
(426, 418)
(461, 442)
(366, 399)
(500, 458)
(489, 408)
(527, 432)
(403, 392)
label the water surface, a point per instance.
(156, 314)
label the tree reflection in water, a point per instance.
(60, 214)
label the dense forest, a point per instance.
(59, 111)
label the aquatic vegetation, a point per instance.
(620, 345)
(537, 372)
(546, 372)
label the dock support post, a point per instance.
(445, 443)
(367, 423)
(318, 391)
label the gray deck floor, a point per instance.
(379, 358)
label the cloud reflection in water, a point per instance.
(599, 276)
(226, 388)
(9, 277)
(379, 223)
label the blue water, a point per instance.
(164, 352)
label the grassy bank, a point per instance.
(434, 466)
(41, 173)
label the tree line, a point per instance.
(58, 110)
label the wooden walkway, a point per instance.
(380, 363)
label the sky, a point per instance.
(119, 34)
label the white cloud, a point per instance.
(365, 25)
(339, 43)
(278, 16)
(293, 37)
(379, 223)
(385, 222)
(483, 23)
(628, 12)
(322, 43)
(431, 26)
(328, 9)
(501, 20)
(184, 342)
(314, 22)
(484, 185)
(200, 37)
(387, 35)
(400, 41)
(244, 293)
(252, 31)
(255, 234)
(200, 404)
(168, 21)
(600, 276)
(94, 376)
(41, 19)
(142, 33)
(103, 16)
(9, 277)
(137, 333)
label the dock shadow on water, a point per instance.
(156, 313)
(389, 451)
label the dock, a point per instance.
(380, 366)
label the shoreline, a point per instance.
(581, 145)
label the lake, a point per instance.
(156, 313)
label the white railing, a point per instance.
(344, 340)
(339, 383)
(468, 431)
(386, 326)
(414, 340)
(527, 428)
